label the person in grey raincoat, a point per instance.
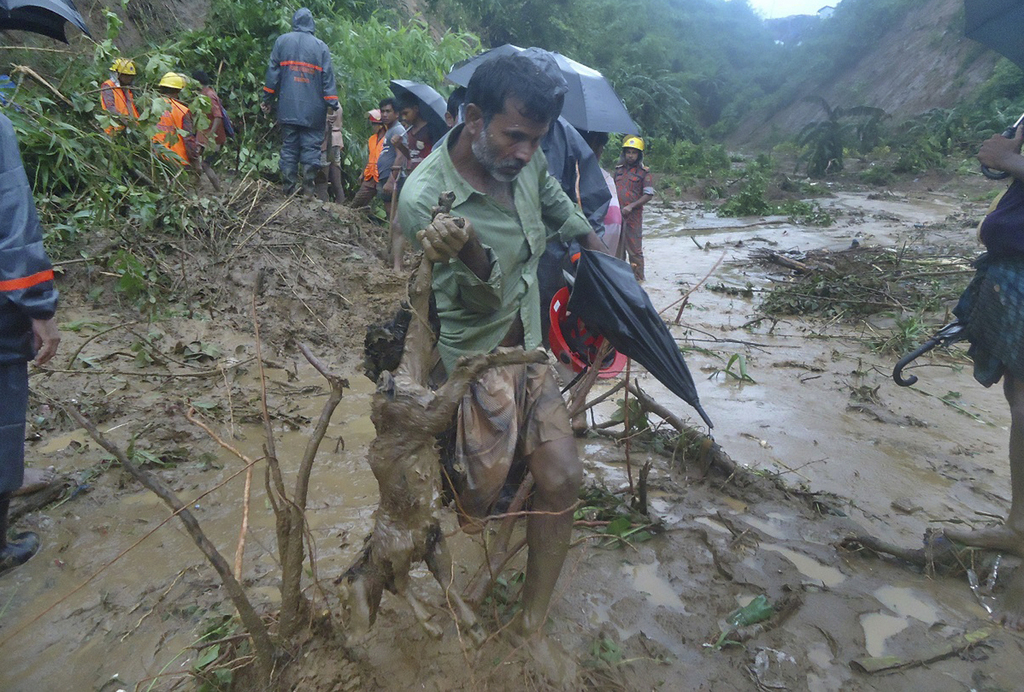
(28, 300)
(571, 161)
(300, 76)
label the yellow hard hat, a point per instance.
(633, 143)
(123, 66)
(172, 80)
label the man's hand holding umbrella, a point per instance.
(1002, 154)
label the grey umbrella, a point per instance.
(997, 24)
(46, 17)
(590, 104)
(432, 104)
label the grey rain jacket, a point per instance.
(300, 75)
(566, 150)
(26, 275)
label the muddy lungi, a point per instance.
(503, 418)
(993, 306)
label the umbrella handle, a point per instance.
(897, 372)
(994, 175)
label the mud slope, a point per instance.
(923, 63)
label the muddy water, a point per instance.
(792, 420)
(342, 498)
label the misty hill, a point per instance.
(922, 62)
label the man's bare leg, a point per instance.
(1009, 536)
(557, 474)
(397, 245)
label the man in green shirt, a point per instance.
(485, 286)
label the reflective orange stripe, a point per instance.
(328, 98)
(26, 281)
(268, 90)
(303, 64)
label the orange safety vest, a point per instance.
(170, 123)
(119, 100)
(376, 145)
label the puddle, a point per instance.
(659, 591)
(877, 628)
(769, 527)
(908, 603)
(711, 524)
(829, 576)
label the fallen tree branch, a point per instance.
(266, 652)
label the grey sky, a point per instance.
(784, 8)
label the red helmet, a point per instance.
(573, 345)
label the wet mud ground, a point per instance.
(635, 617)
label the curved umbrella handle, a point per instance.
(993, 175)
(897, 371)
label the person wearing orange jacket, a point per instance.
(116, 95)
(176, 128)
(371, 176)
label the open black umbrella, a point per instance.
(590, 104)
(998, 24)
(432, 105)
(46, 17)
(610, 301)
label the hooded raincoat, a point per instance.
(300, 75)
(26, 275)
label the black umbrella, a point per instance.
(998, 25)
(46, 17)
(590, 104)
(610, 301)
(432, 105)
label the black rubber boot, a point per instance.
(309, 181)
(18, 550)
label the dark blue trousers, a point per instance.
(13, 407)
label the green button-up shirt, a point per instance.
(476, 315)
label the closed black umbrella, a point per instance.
(590, 104)
(610, 301)
(432, 105)
(46, 17)
(999, 25)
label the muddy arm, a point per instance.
(468, 369)
(419, 339)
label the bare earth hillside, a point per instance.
(922, 64)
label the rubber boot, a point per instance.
(309, 181)
(18, 550)
(291, 181)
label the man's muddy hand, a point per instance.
(445, 237)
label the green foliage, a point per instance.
(89, 184)
(624, 524)
(367, 50)
(906, 335)
(735, 369)
(688, 160)
(750, 200)
(824, 142)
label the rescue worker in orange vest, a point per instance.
(115, 94)
(368, 190)
(176, 128)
